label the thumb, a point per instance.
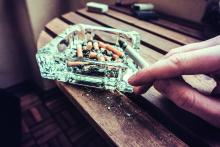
(189, 99)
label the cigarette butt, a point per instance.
(101, 58)
(89, 45)
(114, 50)
(92, 55)
(96, 45)
(79, 51)
(115, 57)
(76, 63)
(102, 45)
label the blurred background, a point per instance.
(22, 21)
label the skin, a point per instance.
(165, 75)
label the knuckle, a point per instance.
(176, 60)
(185, 99)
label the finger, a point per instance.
(141, 89)
(195, 62)
(194, 46)
(189, 99)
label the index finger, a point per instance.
(195, 62)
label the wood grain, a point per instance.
(57, 26)
(158, 30)
(43, 39)
(166, 24)
(119, 118)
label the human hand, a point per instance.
(197, 58)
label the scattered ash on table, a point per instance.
(133, 120)
(113, 102)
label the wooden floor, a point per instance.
(50, 120)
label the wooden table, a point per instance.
(150, 119)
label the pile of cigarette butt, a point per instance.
(97, 51)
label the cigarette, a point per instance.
(76, 63)
(92, 55)
(114, 50)
(115, 57)
(100, 58)
(102, 45)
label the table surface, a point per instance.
(150, 119)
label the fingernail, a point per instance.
(131, 79)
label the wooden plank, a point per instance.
(126, 123)
(148, 38)
(57, 26)
(43, 39)
(166, 24)
(155, 98)
(121, 120)
(169, 34)
(163, 16)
